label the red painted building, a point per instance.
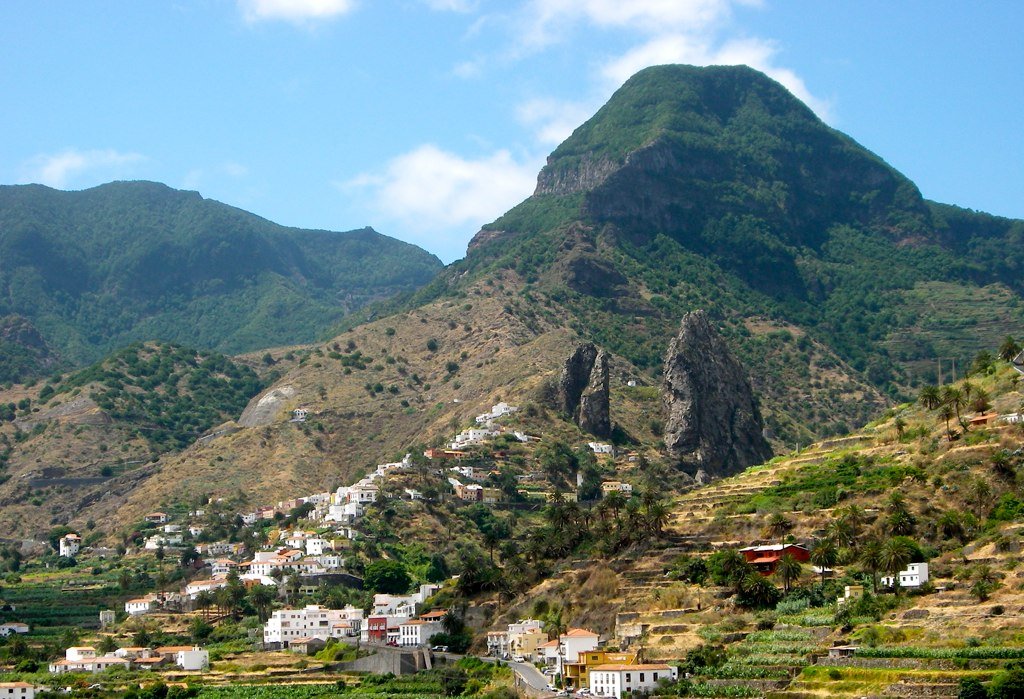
(765, 558)
(377, 629)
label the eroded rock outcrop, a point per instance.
(713, 426)
(583, 389)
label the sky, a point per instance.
(427, 118)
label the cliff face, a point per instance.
(583, 389)
(713, 425)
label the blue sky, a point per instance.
(428, 118)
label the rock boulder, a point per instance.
(713, 426)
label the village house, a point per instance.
(163, 541)
(312, 621)
(84, 659)
(914, 575)
(220, 567)
(157, 518)
(13, 627)
(567, 648)
(417, 632)
(519, 640)
(194, 659)
(197, 587)
(577, 675)
(20, 690)
(443, 454)
(69, 545)
(620, 680)
(613, 486)
(765, 558)
(473, 435)
(153, 602)
(601, 448)
(498, 645)
(843, 651)
(497, 410)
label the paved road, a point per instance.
(531, 675)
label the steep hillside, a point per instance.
(96, 433)
(97, 269)
(715, 188)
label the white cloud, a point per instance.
(685, 48)
(67, 167)
(451, 5)
(235, 169)
(546, 21)
(438, 198)
(554, 120)
(199, 178)
(295, 11)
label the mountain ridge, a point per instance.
(132, 261)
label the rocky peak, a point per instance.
(714, 427)
(583, 389)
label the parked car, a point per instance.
(439, 649)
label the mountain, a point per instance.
(97, 269)
(23, 351)
(715, 188)
(828, 276)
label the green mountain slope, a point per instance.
(715, 188)
(96, 269)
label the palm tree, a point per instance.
(778, 525)
(929, 397)
(871, 559)
(894, 555)
(901, 523)
(842, 533)
(789, 569)
(261, 597)
(615, 501)
(956, 399)
(946, 413)
(1009, 349)
(204, 600)
(824, 554)
(901, 427)
(658, 515)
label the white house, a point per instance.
(158, 541)
(194, 659)
(620, 680)
(152, 602)
(312, 621)
(157, 517)
(84, 659)
(417, 632)
(915, 575)
(20, 690)
(497, 410)
(69, 545)
(13, 627)
(601, 448)
(331, 560)
(610, 486)
(141, 605)
(317, 546)
(194, 588)
(222, 566)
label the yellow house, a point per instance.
(577, 675)
(525, 644)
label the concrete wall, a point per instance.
(386, 659)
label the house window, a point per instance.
(641, 677)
